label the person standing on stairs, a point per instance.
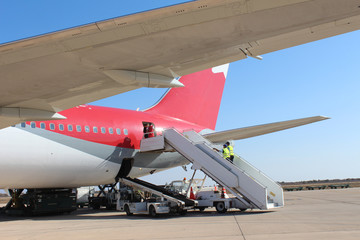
(226, 152)
(231, 151)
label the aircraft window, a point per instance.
(78, 128)
(42, 125)
(87, 129)
(103, 130)
(125, 131)
(111, 131)
(118, 131)
(52, 126)
(95, 129)
(33, 125)
(61, 127)
(70, 128)
(23, 125)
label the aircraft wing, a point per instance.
(45, 74)
(248, 132)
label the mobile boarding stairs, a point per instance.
(248, 184)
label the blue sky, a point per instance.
(320, 78)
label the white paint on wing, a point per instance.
(222, 68)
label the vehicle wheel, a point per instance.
(243, 209)
(152, 211)
(127, 210)
(201, 209)
(220, 207)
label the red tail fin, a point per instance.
(199, 101)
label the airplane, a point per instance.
(50, 139)
(95, 145)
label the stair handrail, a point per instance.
(232, 167)
(210, 145)
(261, 172)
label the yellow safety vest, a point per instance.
(231, 150)
(226, 153)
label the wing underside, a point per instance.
(63, 69)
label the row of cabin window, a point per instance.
(77, 127)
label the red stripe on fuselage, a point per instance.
(87, 115)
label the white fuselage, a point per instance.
(28, 160)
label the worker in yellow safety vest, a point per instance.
(231, 150)
(226, 152)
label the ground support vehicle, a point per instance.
(105, 198)
(145, 198)
(41, 202)
(153, 207)
(83, 194)
(206, 196)
(246, 183)
(221, 201)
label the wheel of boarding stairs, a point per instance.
(242, 209)
(127, 210)
(201, 209)
(152, 211)
(220, 207)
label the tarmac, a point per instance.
(319, 214)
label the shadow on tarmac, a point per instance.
(103, 214)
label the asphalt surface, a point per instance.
(319, 214)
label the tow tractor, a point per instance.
(145, 198)
(220, 200)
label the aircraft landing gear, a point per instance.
(15, 206)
